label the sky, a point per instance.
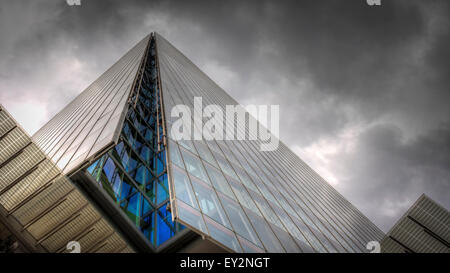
(363, 90)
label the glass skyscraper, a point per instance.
(161, 194)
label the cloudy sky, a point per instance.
(363, 90)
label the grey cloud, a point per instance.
(390, 172)
(369, 61)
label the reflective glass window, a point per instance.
(242, 195)
(187, 144)
(204, 152)
(239, 220)
(266, 210)
(209, 203)
(286, 240)
(223, 235)
(127, 188)
(109, 169)
(147, 226)
(163, 189)
(194, 166)
(142, 175)
(175, 156)
(219, 182)
(165, 227)
(245, 178)
(183, 189)
(146, 153)
(131, 207)
(226, 168)
(269, 240)
(191, 216)
(145, 207)
(249, 247)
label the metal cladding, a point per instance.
(245, 199)
(425, 228)
(41, 206)
(91, 121)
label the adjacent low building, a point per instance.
(40, 209)
(424, 228)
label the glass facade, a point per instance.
(92, 120)
(230, 192)
(244, 199)
(134, 172)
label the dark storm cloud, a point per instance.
(344, 73)
(392, 172)
(351, 53)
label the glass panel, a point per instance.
(109, 169)
(269, 239)
(116, 185)
(239, 220)
(292, 228)
(222, 235)
(187, 144)
(129, 160)
(226, 151)
(190, 216)
(183, 189)
(214, 147)
(219, 182)
(127, 188)
(161, 163)
(226, 168)
(175, 156)
(146, 153)
(209, 203)
(146, 207)
(243, 197)
(204, 152)
(194, 166)
(148, 226)
(163, 189)
(94, 167)
(249, 247)
(119, 149)
(245, 178)
(150, 190)
(143, 175)
(165, 228)
(131, 207)
(286, 240)
(266, 210)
